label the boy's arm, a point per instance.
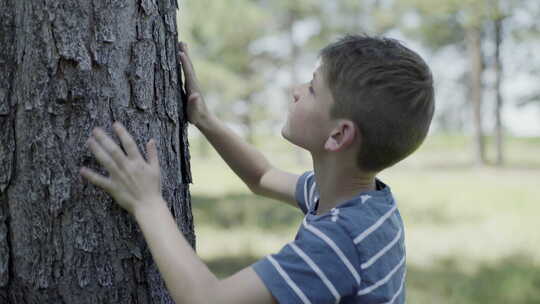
(279, 185)
(135, 185)
(187, 278)
(248, 163)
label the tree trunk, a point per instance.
(499, 102)
(68, 66)
(474, 47)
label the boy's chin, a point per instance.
(285, 134)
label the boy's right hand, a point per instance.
(197, 110)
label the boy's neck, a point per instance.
(337, 184)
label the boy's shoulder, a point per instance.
(353, 253)
(374, 212)
(372, 225)
(369, 212)
(369, 219)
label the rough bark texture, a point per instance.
(66, 67)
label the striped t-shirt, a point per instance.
(353, 254)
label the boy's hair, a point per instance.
(386, 90)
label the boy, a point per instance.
(368, 106)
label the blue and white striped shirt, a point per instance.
(353, 254)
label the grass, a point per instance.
(472, 234)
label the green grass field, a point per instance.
(472, 234)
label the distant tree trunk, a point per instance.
(247, 119)
(499, 102)
(475, 54)
(68, 66)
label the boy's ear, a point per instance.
(341, 137)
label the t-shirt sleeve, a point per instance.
(304, 190)
(319, 267)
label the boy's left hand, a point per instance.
(133, 182)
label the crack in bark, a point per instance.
(7, 213)
(4, 198)
(11, 273)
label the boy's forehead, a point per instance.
(318, 73)
(317, 69)
(318, 63)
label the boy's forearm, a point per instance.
(187, 278)
(244, 159)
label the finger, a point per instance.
(102, 156)
(193, 97)
(110, 147)
(127, 141)
(184, 48)
(96, 179)
(152, 153)
(187, 67)
(189, 70)
(183, 56)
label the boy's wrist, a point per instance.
(147, 209)
(205, 122)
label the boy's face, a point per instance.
(308, 122)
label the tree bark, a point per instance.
(67, 67)
(474, 47)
